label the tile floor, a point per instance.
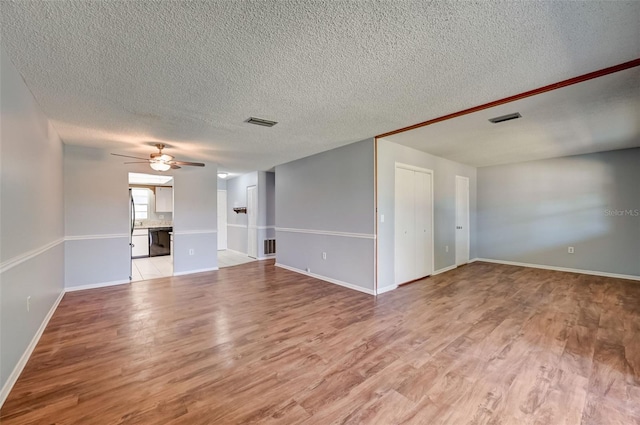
(228, 258)
(155, 267)
(151, 268)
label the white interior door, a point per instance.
(404, 226)
(424, 224)
(413, 224)
(252, 221)
(222, 220)
(462, 220)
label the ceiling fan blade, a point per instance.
(129, 156)
(175, 167)
(193, 164)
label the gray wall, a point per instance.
(31, 218)
(444, 205)
(97, 224)
(325, 203)
(222, 183)
(97, 217)
(266, 209)
(532, 212)
(195, 219)
(270, 189)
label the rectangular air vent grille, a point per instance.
(504, 118)
(269, 246)
(262, 122)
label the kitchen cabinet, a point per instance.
(140, 240)
(164, 199)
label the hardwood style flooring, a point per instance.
(482, 344)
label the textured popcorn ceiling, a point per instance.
(592, 116)
(122, 74)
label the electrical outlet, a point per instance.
(29, 303)
(308, 270)
(324, 255)
(381, 218)
(446, 248)
(571, 250)
(191, 251)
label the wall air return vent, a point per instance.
(262, 122)
(504, 118)
(269, 246)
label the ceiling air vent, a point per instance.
(262, 122)
(504, 118)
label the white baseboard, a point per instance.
(386, 289)
(444, 269)
(328, 279)
(560, 269)
(15, 374)
(266, 257)
(211, 269)
(237, 252)
(473, 260)
(96, 285)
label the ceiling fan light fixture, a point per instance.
(159, 165)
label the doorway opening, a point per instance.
(151, 226)
(246, 218)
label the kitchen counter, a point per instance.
(153, 227)
(152, 224)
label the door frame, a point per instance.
(132, 215)
(467, 224)
(226, 211)
(433, 229)
(255, 228)
(173, 215)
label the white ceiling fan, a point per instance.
(160, 161)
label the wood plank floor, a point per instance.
(483, 344)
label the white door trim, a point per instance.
(222, 226)
(467, 224)
(252, 229)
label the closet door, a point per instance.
(423, 220)
(404, 226)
